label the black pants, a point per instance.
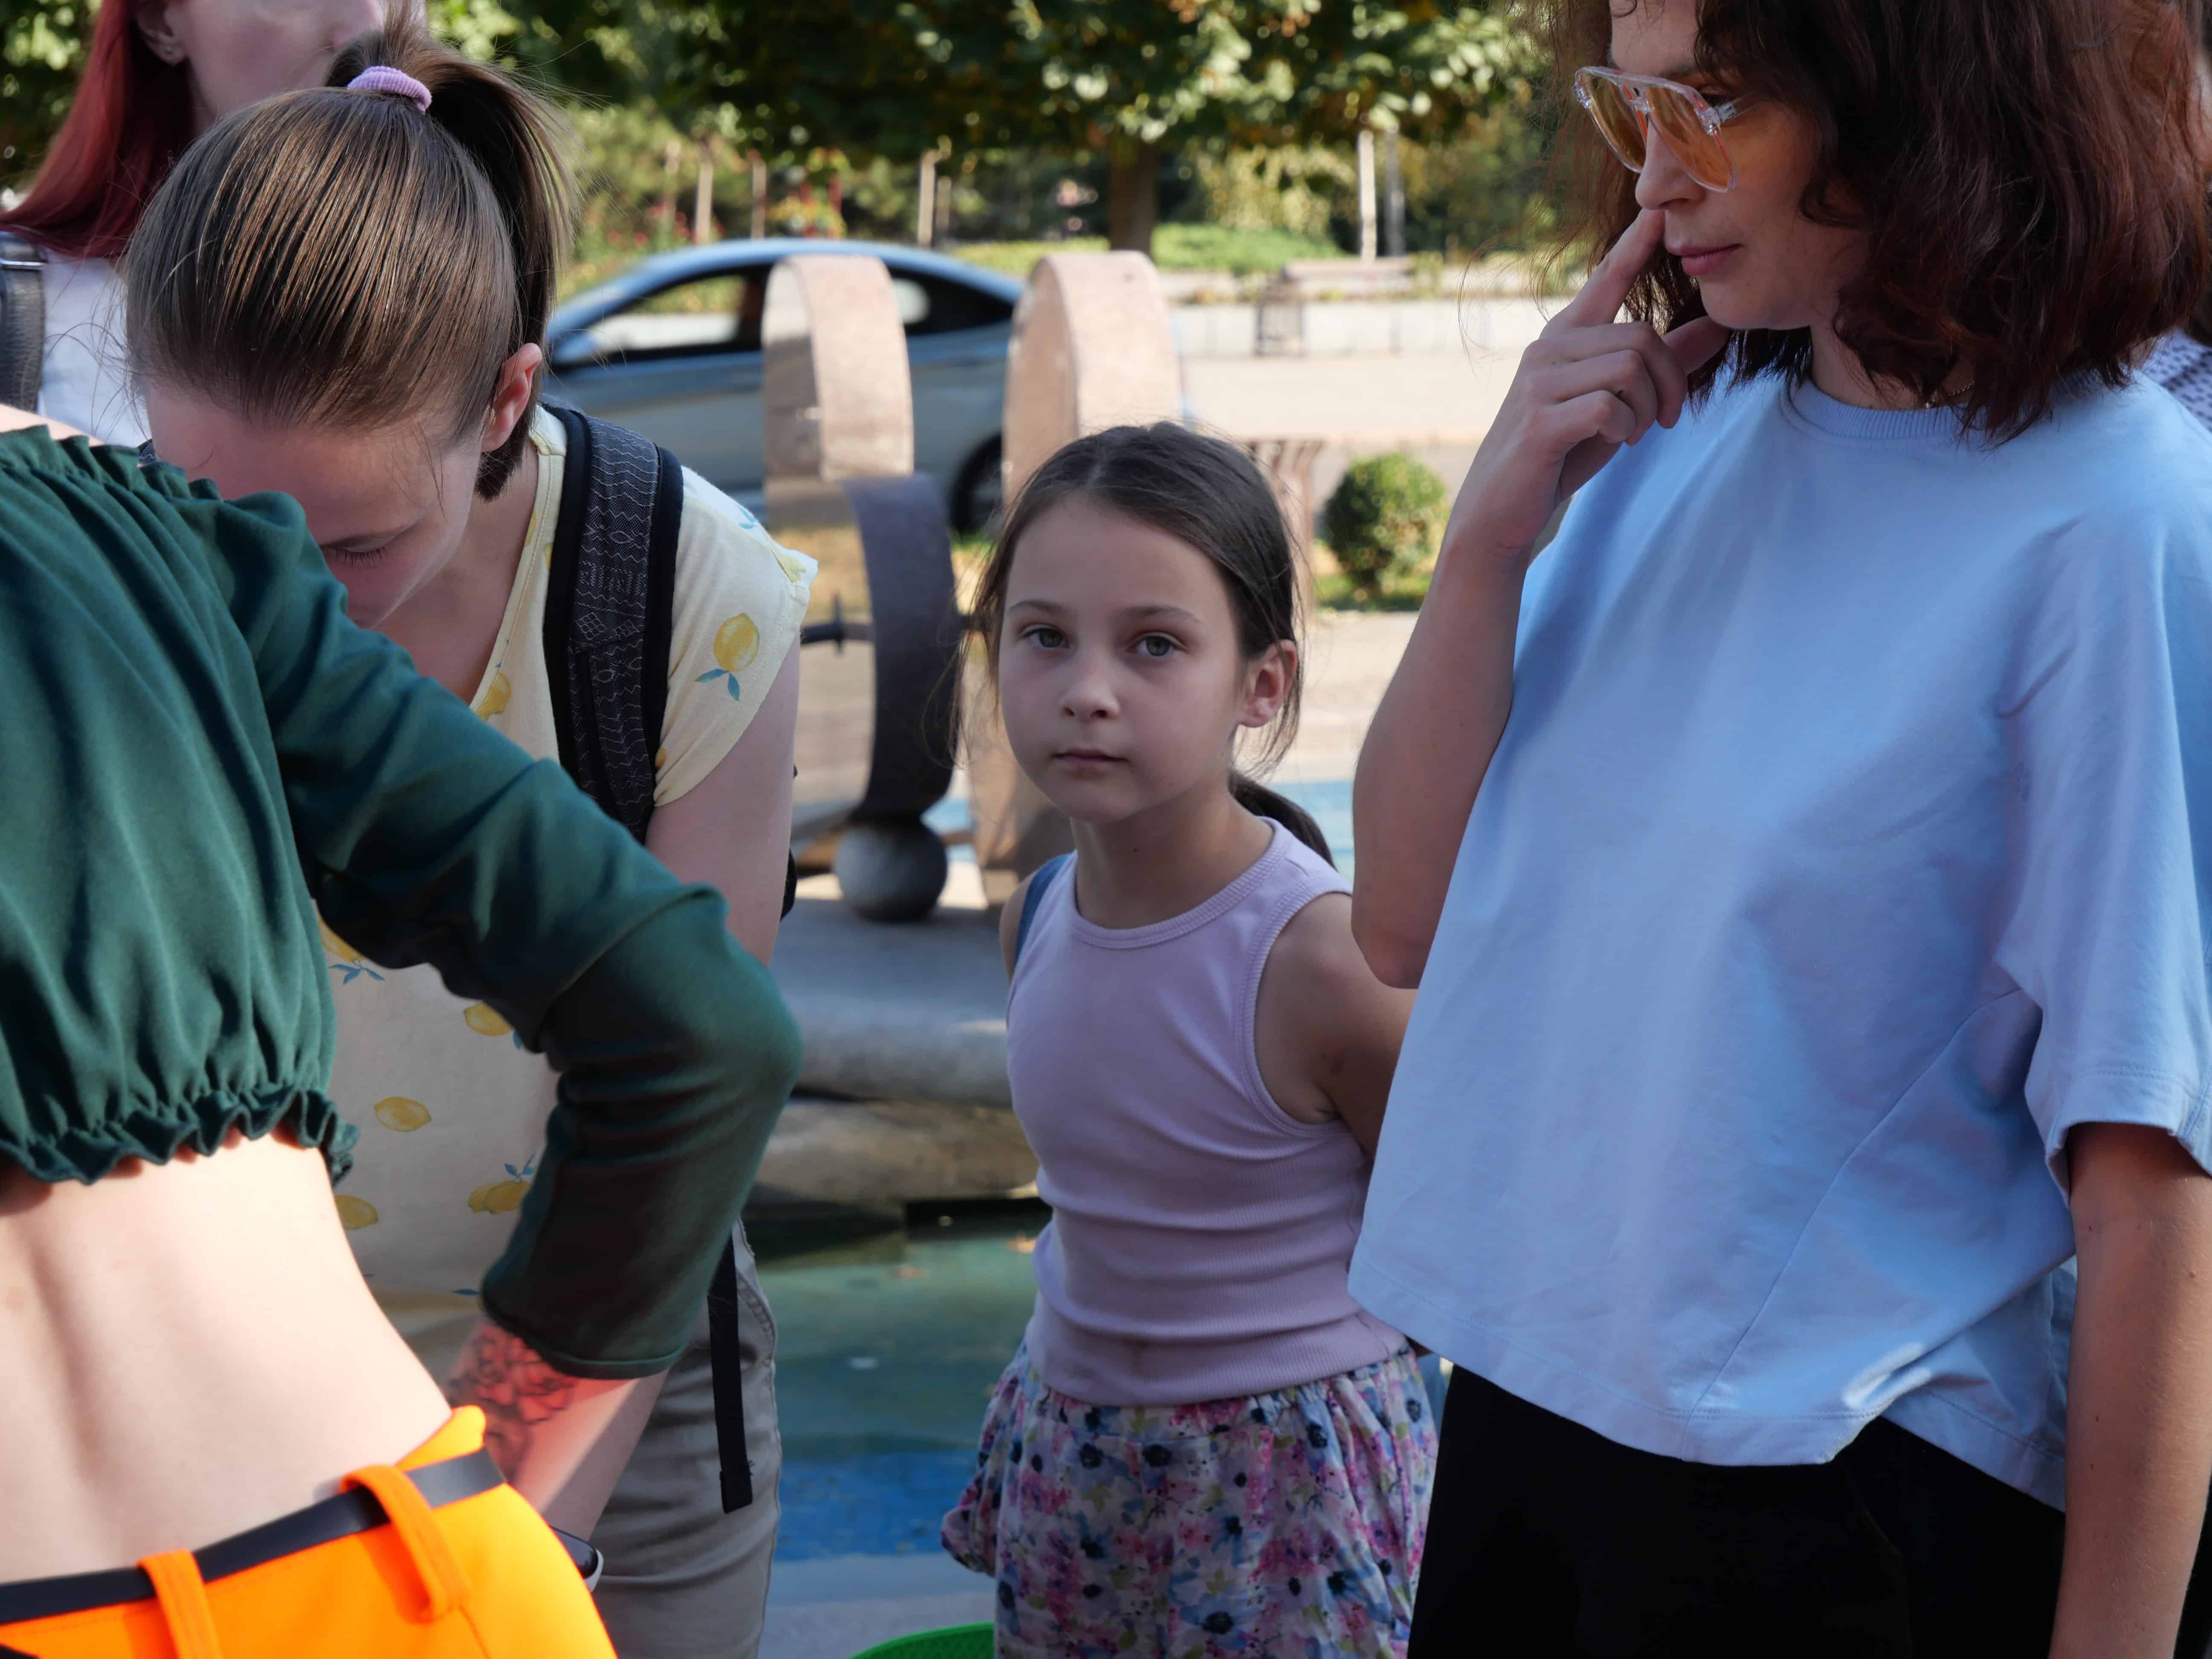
(1548, 1540)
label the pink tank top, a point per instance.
(1201, 1235)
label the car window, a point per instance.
(701, 317)
(939, 305)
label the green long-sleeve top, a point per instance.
(197, 750)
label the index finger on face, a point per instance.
(1600, 298)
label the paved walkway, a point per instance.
(1436, 405)
(833, 1608)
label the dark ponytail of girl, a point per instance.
(1210, 494)
(1256, 798)
(342, 256)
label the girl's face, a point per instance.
(1121, 676)
(1759, 262)
(387, 506)
(239, 51)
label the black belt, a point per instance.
(357, 1510)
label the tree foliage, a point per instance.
(894, 79)
(41, 50)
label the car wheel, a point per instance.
(980, 492)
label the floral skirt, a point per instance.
(1281, 1525)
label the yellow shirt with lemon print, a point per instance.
(452, 1108)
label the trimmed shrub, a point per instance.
(1384, 516)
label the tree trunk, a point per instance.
(1394, 199)
(925, 202)
(1366, 194)
(1132, 195)
(702, 200)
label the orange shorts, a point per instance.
(482, 1577)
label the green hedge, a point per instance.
(1384, 517)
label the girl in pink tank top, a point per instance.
(1204, 1446)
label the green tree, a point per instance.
(1142, 78)
(1132, 79)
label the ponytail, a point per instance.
(1256, 798)
(344, 256)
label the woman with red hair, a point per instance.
(159, 74)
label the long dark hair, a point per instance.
(1211, 495)
(2028, 175)
(345, 257)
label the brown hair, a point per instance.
(2026, 173)
(1205, 492)
(345, 258)
(2200, 321)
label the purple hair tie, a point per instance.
(378, 77)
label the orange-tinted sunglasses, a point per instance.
(1625, 107)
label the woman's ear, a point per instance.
(511, 396)
(1267, 682)
(159, 33)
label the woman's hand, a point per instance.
(1587, 385)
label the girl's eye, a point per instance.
(1051, 639)
(357, 555)
(1156, 646)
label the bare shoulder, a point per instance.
(1317, 963)
(1327, 1031)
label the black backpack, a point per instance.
(610, 613)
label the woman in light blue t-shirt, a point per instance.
(1806, 864)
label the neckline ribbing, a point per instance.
(1158, 933)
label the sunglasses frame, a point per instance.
(1633, 91)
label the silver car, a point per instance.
(672, 348)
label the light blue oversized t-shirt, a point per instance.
(1850, 842)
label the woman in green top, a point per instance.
(200, 753)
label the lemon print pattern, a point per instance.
(355, 1214)
(485, 1020)
(496, 695)
(397, 1112)
(349, 964)
(737, 642)
(503, 1197)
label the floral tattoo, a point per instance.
(502, 1375)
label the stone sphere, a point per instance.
(890, 869)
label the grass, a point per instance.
(1248, 255)
(1175, 247)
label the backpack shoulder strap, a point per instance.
(610, 611)
(22, 321)
(1040, 884)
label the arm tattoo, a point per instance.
(518, 1392)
